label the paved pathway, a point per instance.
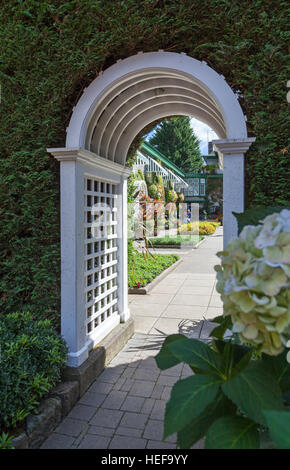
(124, 407)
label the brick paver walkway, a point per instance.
(124, 407)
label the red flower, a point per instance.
(138, 284)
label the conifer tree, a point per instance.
(175, 138)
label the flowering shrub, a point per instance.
(254, 280)
(170, 195)
(156, 191)
(203, 228)
(239, 394)
(215, 223)
(153, 191)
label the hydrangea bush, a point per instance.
(238, 396)
(253, 280)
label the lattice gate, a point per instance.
(100, 255)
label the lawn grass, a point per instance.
(176, 240)
(143, 270)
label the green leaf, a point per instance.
(189, 397)
(278, 423)
(197, 354)
(232, 432)
(253, 391)
(279, 367)
(243, 362)
(165, 358)
(234, 356)
(219, 331)
(219, 319)
(197, 428)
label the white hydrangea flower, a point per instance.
(254, 279)
(284, 219)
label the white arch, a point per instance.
(111, 112)
(130, 99)
(152, 107)
(148, 65)
(178, 109)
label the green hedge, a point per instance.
(178, 240)
(256, 214)
(52, 50)
(32, 357)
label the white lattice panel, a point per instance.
(100, 254)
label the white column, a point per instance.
(233, 193)
(232, 153)
(122, 231)
(72, 260)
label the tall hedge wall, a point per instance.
(51, 50)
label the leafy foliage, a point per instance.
(247, 390)
(178, 240)
(6, 441)
(176, 140)
(52, 50)
(32, 357)
(189, 398)
(143, 269)
(229, 397)
(230, 432)
(203, 228)
(279, 425)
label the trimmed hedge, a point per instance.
(32, 357)
(256, 214)
(51, 50)
(176, 240)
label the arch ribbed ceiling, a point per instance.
(143, 88)
(130, 106)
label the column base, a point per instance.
(124, 316)
(75, 359)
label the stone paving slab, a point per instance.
(124, 408)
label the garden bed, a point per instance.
(179, 241)
(143, 270)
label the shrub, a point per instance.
(153, 191)
(215, 224)
(176, 240)
(32, 357)
(239, 393)
(170, 195)
(204, 228)
(254, 215)
(159, 180)
(156, 191)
